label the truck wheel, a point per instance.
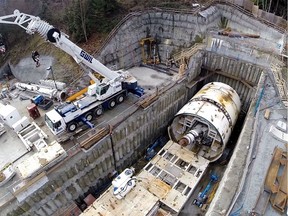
(120, 98)
(89, 116)
(98, 111)
(194, 201)
(111, 104)
(72, 126)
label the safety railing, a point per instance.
(187, 53)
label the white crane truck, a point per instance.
(111, 91)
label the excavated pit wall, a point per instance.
(230, 71)
(91, 169)
(175, 31)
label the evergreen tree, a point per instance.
(86, 16)
(103, 12)
(78, 20)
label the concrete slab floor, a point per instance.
(148, 79)
(255, 43)
(262, 154)
(12, 148)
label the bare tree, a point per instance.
(83, 11)
(269, 8)
(276, 7)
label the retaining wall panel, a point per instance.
(25, 207)
(41, 212)
(41, 194)
(57, 203)
(47, 209)
(52, 206)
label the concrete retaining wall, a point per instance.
(175, 31)
(244, 23)
(241, 76)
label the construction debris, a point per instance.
(44, 159)
(228, 32)
(267, 114)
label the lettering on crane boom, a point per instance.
(86, 56)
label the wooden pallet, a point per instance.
(271, 183)
(279, 199)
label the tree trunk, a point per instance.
(276, 7)
(83, 19)
(269, 6)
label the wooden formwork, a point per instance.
(276, 180)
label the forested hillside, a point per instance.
(81, 20)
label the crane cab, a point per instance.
(105, 90)
(55, 122)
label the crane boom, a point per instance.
(33, 24)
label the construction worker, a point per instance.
(35, 57)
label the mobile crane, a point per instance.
(111, 91)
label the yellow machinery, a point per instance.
(77, 95)
(183, 65)
(149, 51)
(84, 90)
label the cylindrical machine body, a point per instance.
(37, 89)
(53, 84)
(207, 119)
(62, 95)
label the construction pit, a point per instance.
(251, 66)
